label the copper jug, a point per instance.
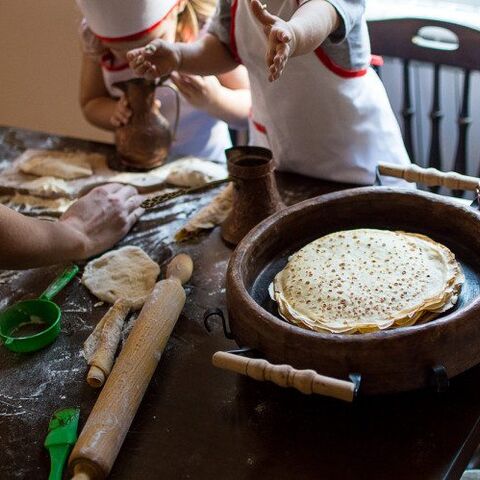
(145, 142)
(255, 193)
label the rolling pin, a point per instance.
(306, 381)
(430, 177)
(108, 423)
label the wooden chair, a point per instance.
(441, 44)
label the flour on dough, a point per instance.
(194, 172)
(209, 216)
(30, 203)
(127, 273)
(47, 187)
(185, 172)
(51, 163)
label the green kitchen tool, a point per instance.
(61, 437)
(30, 325)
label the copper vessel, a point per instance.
(145, 142)
(255, 195)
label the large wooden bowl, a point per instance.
(389, 361)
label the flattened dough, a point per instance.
(51, 163)
(209, 216)
(127, 273)
(47, 187)
(194, 172)
(29, 203)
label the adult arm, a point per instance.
(91, 225)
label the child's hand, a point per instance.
(157, 59)
(201, 92)
(280, 39)
(122, 113)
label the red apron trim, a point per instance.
(376, 60)
(107, 63)
(337, 69)
(233, 42)
(136, 36)
(258, 126)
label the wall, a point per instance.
(40, 68)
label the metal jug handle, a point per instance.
(177, 110)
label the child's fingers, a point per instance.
(182, 86)
(133, 54)
(194, 81)
(261, 13)
(283, 36)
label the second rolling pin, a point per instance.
(108, 423)
(430, 177)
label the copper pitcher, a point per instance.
(145, 142)
(255, 193)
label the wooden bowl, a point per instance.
(389, 361)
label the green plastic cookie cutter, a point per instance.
(40, 313)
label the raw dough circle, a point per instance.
(127, 273)
(66, 165)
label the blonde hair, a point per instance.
(193, 18)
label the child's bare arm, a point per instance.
(97, 106)
(206, 56)
(308, 28)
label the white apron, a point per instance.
(318, 119)
(198, 133)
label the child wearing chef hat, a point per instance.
(316, 103)
(112, 27)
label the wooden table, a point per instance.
(197, 422)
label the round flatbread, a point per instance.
(66, 165)
(366, 280)
(127, 273)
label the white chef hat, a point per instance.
(124, 20)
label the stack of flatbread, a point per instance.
(366, 280)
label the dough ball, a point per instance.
(127, 273)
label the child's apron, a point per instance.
(318, 118)
(198, 133)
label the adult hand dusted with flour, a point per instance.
(308, 28)
(103, 217)
(91, 225)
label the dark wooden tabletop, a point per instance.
(197, 422)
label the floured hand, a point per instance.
(281, 40)
(102, 217)
(157, 59)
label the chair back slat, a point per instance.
(408, 111)
(464, 121)
(439, 43)
(414, 39)
(436, 115)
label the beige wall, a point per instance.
(40, 68)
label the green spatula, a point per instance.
(62, 435)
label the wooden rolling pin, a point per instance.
(108, 423)
(430, 177)
(306, 381)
